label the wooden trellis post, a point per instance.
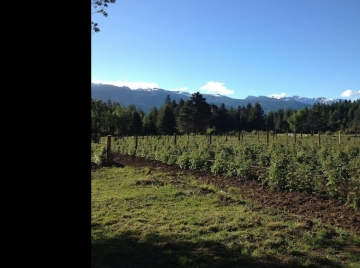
(108, 149)
(287, 136)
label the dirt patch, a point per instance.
(301, 205)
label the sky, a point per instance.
(236, 48)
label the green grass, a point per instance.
(157, 220)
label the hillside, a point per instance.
(148, 98)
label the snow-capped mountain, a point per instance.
(182, 93)
(310, 101)
(147, 98)
(95, 84)
(250, 97)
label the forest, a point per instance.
(199, 117)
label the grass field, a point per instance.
(150, 219)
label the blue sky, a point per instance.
(237, 48)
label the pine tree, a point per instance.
(201, 112)
(186, 119)
(256, 117)
(166, 123)
(149, 126)
(136, 123)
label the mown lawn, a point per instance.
(151, 219)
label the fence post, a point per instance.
(174, 138)
(108, 149)
(136, 142)
(267, 137)
(319, 138)
(287, 137)
(339, 137)
(210, 138)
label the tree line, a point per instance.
(197, 116)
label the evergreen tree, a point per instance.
(313, 121)
(269, 121)
(178, 107)
(202, 112)
(149, 125)
(186, 118)
(136, 123)
(166, 123)
(223, 119)
(194, 115)
(173, 105)
(279, 119)
(232, 119)
(122, 120)
(243, 118)
(98, 116)
(167, 100)
(237, 121)
(335, 120)
(214, 117)
(256, 117)
(354, 124)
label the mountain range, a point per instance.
(146, 99)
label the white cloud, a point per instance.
(350, 93)
(216, 88)
(277, 96)
(132, 85)
(179, 89)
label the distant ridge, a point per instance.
(147, 98)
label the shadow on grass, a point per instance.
(126, 251)
(112, 164)
(115, 164)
